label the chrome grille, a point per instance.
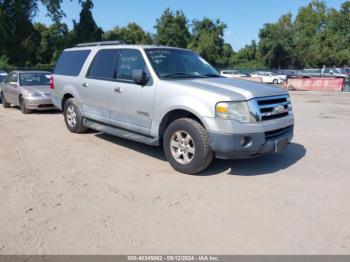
(272, 107)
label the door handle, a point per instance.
(118, 90)
(85, 85)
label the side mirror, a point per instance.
(139, 77)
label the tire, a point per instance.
(22, 106)
(275, 82)
(191, 156)
(4, 102)
(73, 117)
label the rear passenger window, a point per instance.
(71, 62)
(129, 61)
(104, 65)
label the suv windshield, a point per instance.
(177, 63)
(34, 79)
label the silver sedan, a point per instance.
(30, 90)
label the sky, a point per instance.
(243, 18)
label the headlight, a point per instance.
(234, 111)
(33, 94)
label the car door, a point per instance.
(11, 88)
(97, 85)
(132, 104)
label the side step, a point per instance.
(114, 131)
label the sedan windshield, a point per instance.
(34, 79)
(176, 63)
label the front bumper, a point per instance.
(238, 146)
(39, 103)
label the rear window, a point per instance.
(34, 79)
(71, 62)
(104, 65)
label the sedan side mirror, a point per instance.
(139, 77)
(14, 84)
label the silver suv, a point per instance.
(170, 96)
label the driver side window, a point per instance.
(12, 77)
(130, 60)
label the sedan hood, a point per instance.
(43, 90)
(235, 89)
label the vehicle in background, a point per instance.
(323, 72)
(327, 72)
(2, 77)
(288, 73)
(345, 70)
(269, 77)
(232, 74)
(30, 90)
(172, 96)
(3, 74)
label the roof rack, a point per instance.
(101, 43)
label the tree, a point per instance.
(53, 39)
(277, 43)
(207, 39)
(18, 38)
(247, 57)
(131, 34)
(86, 30)
(172, 29)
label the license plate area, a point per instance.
(281, 144)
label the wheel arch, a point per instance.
(175, 114)
(64, 99)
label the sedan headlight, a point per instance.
(34, 94)
(234, 111)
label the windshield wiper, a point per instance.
(182, 74)
(211, 75)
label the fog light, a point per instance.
(246, 141)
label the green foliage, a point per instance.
(86, 30)
(4, 61)
(172, 29)
(316, 36)
(131, 34)
(207, 40)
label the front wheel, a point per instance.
(73, 117)
(186, 146)
(23, 107)
(4, 102)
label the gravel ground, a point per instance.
(63, 193)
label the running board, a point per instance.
(114, 131)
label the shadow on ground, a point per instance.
(263, 165)
(247, 167)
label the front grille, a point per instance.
(273, 107)
(46, 105)
(278, 132)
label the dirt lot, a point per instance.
(76, 194)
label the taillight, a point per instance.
(52, 83)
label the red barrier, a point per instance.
(316, 84)
(254, 79)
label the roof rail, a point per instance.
(101, 43)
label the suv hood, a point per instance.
(235, 89)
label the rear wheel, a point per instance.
(275, 81)
(73, 117)
(186, 146)
(4, 102)
(22, 106)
